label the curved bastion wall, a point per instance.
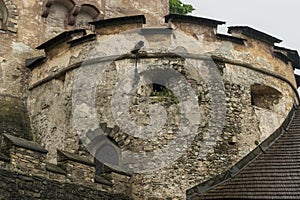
(218, 96)
(26, 24)
(257, 86)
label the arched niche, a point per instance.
(88, 13)
(58, 14)
(263, 96)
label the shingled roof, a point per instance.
(291, 54)
(269, 172)
(253, 33)
(193, 20)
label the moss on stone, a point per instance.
(14, 118)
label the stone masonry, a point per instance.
(119, 100)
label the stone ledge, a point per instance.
(4, 158)
(61, 38)
(281, 57)
(291, 54)
(253, 33)
(231, 38)
(136, 19)
(55, 169)
(32, 63)
(193, 20)
(26, 144)
(108, 168)
(102, 180)
(65, 156)
(156, 31)
(297, 77)
(87, 38)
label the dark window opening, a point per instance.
(158, 88)
(264, 96)
(161, 91)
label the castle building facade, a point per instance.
(122, 100)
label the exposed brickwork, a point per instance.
(26, 162)
(244, 126)
(45, 97)
(15, 185)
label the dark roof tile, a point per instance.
(230, 38)
(55, 169)
(102, 180)
(32, 63)
(193, 20)
(73, 157)
(291, 54)
(63, 37)
(23, 143)
(253, 33)
(86, 38)
(119, 21)
(270, 174)
(297, 80)
(156, 31)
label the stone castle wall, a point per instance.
(19, 186)
(153, 10)
(26, 174)
(248, 77)
(248, 71)
(18, 42)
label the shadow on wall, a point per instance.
(3, 15)
(14, 118)
(264, 96)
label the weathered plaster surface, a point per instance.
(245, 124)
(48, 90)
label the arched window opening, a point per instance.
(158, 83)
(88, 13)
(160, 90)
(264, 96)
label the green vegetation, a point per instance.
(165, 93)
(177, 7)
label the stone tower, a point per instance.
(120, 100)
(26, 24)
